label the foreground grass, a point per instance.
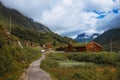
(83, 66)
(13, 61)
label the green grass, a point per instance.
(14, 60)
(110, 58)
(83, 66)
(73, 63)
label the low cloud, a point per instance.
(71, 17)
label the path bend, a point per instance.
(34, 72)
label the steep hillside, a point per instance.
(19, 19)
(112, 35)
(13, 58)
(26, 29)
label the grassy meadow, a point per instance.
(83, 66)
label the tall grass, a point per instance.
(101, 69)
(13, 60)
(99, 57)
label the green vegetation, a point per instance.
(83, 66)
(33, 35)
(99, 57)
(105, 39)
(39, 37)
(115, 46)
(13, 59)
(26, 29)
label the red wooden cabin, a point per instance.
(94, 47)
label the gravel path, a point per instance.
(34, 72)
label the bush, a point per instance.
(13, 60)
(103, 71)
(99, 58)
(58, 57)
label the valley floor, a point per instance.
(83, 66)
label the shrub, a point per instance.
(103, 71)
(100, 58)
(13, 60)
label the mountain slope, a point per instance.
(21, 20)
(26, 29)
(112, 35)
(13, 58)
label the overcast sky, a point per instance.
(71, 17)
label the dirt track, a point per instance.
(34, 72)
